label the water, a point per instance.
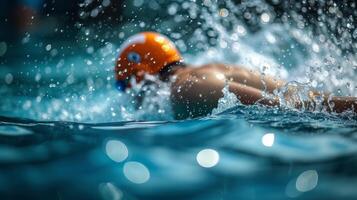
(306, 156)
(67, 133)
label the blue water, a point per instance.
(67, 133)
(310, 156)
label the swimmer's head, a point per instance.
(146, 52)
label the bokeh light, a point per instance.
(207, 158)
(307, 181)
(268, 139)
(136, 172)
(116, 150)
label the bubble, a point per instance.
(136, 172)
(116, 150)
(268, 139)
(207, 158)
(307, 181)
(247, 15)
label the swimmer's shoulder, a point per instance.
(219, 66)
(198, 71)
(206, 70)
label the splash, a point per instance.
(308, 43)
(228, 100)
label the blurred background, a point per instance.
(57, 50)
(45, 20)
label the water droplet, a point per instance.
(138, 3)
(241, 30)
(315, 47)
(94, 12)
(106, 3)
(223, 12)
(172, 10)
(48, 47)
(265, 18)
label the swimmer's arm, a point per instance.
(192, 97)
(324, 101)
(341, 104)
(250, 95)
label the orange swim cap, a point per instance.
(146, 52)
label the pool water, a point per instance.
(243, 153)
(66, 132)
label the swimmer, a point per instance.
(195, 90)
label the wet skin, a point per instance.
(196, 90)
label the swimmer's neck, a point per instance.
(171, 70)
